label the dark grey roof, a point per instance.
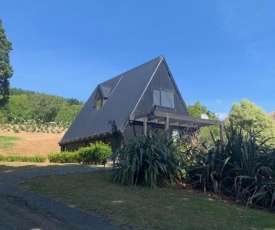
(123, 92)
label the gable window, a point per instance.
(163, 98)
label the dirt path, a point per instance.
(33, 144)
(20, 209)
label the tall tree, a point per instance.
(5, 67)
(68, 113)
(252, 118)
(197, 110)
(18, 108)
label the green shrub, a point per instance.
(95, 153)
(150, 161)
(64, 157)
(38, 159)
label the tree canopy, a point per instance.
(197, 110)
(252, 118)
(6, 70)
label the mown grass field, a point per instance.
(29, 144)
(144, 208)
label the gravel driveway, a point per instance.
(20, 209)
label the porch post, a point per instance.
(145, 126)
(167, 123)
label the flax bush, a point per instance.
(241, 167)
(150, 161)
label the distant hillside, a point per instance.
(272, 115)
(25, 106)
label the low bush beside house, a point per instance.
(95, 153)
(65, 157)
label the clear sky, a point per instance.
(219, 51)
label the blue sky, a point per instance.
(219, 51)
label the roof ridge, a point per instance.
(159, 57)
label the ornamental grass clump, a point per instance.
(241, 167)
(150, 161)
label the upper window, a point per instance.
(102, 94)
(163, 98)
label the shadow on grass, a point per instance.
(6, 167)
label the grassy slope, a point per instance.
(148, 208)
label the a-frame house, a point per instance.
(129, 105)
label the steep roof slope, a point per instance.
(123, 94)
(125, 91)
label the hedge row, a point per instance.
(64, 157)
(95, 153)
(23, 158)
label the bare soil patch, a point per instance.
(33, 144)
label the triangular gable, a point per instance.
(163, 83)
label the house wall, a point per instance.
(161, 81)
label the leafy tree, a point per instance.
(251, 117)
(5, 67)
(45, 107)
(197, 110)
(68, 113)
(19, 107)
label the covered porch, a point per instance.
(171, 120)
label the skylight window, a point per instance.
(102, 94)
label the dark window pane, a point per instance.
(167, 99)
(156, 97)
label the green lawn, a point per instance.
(144, 208)
(7, 142)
